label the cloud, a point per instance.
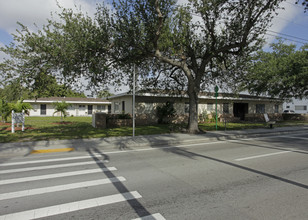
(29, 12)
(280, 22)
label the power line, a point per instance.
(279, 17)
(287, 35)
(286, 38)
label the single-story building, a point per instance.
(78, 107)
(299, 106)
(231, 106)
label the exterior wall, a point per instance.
(294, 104)
(146, 107)
(128, 108)
(74, 109)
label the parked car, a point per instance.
(288, 112)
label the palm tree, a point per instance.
(61, 107)
(20, 105)
(6, 108)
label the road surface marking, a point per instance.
(46, 160)
(52, 150)
(57, 175)
(49, 167)
(262, 155)
(156, 216)
(71, 207)
(58, 188)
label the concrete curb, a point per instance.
(128, 143)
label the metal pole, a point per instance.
(13, 121)
(216, 94)
(23, 121)
(134, 88)
(216, 112)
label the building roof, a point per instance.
(202, 95)
(73, 100)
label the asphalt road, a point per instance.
(253, 178)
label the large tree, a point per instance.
(281, 72)
(186, 47)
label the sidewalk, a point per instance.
(127, 143)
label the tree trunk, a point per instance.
(193, 111)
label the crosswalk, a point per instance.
(63, 187)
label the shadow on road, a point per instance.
(192, 155)
(140, 210)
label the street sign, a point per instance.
(216, 95)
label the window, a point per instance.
(123, 106)
(116, 107)
(276, 109)
(226, 108)
(82, 106)
(148, 107)
(101, 108)
(300, 108)
(210, 106)
(288, 106)
(186, 107)
(260, 108)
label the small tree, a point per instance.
(61, 107)
(4, 110)
(165, 112)
(20, 105)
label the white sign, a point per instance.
(18, 118)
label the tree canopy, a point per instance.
(43, 86)
(187, 47)
(282, 72)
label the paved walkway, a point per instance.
(127, 143)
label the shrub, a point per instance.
(119, 116)
(165, 113)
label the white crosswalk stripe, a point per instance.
(19, 193)
(58, 188)
(49, 167)
(70, 207)
(56, 175)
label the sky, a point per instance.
(291, 23)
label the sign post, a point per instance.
(216, 95)
(134, 101)
(18, 118)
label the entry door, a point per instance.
(90, 108)
(43, 109)
(240, 109)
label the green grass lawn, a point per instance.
(48, 128)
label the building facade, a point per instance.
(240, 107)
(299, 106)
(78, 106)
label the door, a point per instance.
(109, 109)
(90, 108)
(43, 109)
(240, 109)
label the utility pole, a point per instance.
(134, 91)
